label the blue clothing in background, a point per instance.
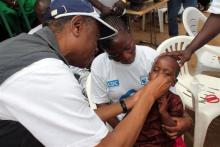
(173, 9)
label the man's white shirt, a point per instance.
(33, 30)
(215, 7)
(46, 98)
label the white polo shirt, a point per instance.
(215, 7)
(46, 98)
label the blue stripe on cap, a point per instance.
(68, 6)
(72, 6)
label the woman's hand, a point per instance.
(182, 124)
(162, 104)
(159, 85)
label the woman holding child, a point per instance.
(122, 70)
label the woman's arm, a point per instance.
(109, 111)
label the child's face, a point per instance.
(164, 65)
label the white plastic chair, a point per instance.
(188, 87)
(192, 18)
(88, 92)
(161, 12)
(91, 104)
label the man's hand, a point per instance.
(182, 124)
(118, 8)
(159, 85)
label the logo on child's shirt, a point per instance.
(143, 80)
(113, 83)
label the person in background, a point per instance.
(173, 9)
(41, 102)
(7, 9)
(203, 5)
(109, 7)
(40, 9)
(121, 71)
(13, 14)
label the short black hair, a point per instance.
(177, 65)
(117, 23)
(57, 25)
(41, 7)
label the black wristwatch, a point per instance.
(123, 106)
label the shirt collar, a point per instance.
(46, 34)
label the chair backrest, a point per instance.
(88, 92)
(193, 20)
(91, 104)
(178, 43)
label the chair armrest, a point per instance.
(194, 91)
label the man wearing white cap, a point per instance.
(41, 103)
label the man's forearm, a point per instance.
(108, 111)
(127, 131)
(210, 29)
